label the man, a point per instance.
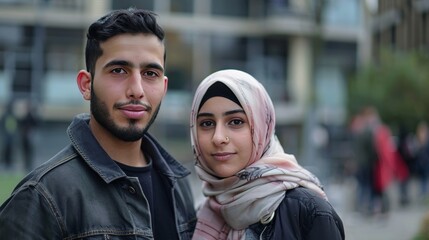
(114, 180)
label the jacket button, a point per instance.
(131, 190)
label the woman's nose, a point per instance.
(220, 136)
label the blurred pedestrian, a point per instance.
(365, 157)
(389, 166)
(27, 123)
(422, 157)
(254, 189)
(9, 126)
(384, 168)
(405, 152)
(380, 163)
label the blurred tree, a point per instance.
(398, 86)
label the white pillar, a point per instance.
(97, 8)
(201, 57)
(299, 70)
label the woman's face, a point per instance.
(224, 136)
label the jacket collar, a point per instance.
(94, 155)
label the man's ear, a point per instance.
(165, 84)
(83, 80)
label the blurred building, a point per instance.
(302, 51)
(401, 25)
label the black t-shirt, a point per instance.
(157, 191)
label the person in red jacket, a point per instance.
(387, 163)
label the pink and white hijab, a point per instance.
(254, 193)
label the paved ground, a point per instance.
(400, 224)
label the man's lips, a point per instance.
(134, 111)
(134, 108)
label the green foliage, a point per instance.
(398, 86)
(8, 182)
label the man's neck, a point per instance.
(128, 153)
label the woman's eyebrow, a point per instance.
(233, 112)
(206, 114)
(203, 114)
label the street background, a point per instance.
(322, 62)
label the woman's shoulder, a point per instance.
(303, 212)
(306, 198)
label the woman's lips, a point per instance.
(223, 156)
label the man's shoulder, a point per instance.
(54, 170)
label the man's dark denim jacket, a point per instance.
(82, 194)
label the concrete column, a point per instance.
(299, 70)
(201, 57)
(202, 7)
(162, 6)
(364, 51)
(96, 9)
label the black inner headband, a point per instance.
(219, 89)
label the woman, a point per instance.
(254, 190)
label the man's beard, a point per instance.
(129, 134)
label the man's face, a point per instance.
(128, 85)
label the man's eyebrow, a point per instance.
(204, 114)
(118, 63)
(129, 64)
(153, 65)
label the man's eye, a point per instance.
(151, 74)
(118, 70)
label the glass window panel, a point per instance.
(277, 7)
(275, 52)
(340, 12)
(182, 6)
(123, 4)
(179, 60)
(235, 8)
(64, 49)
(228, 52)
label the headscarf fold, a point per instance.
(254, 193)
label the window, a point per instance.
(182, 6)
(228, 52)
(124, 4)
(235, 8)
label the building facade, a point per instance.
(302, 51)
(401, 25)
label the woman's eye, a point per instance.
(206, 124)
(236, 122)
